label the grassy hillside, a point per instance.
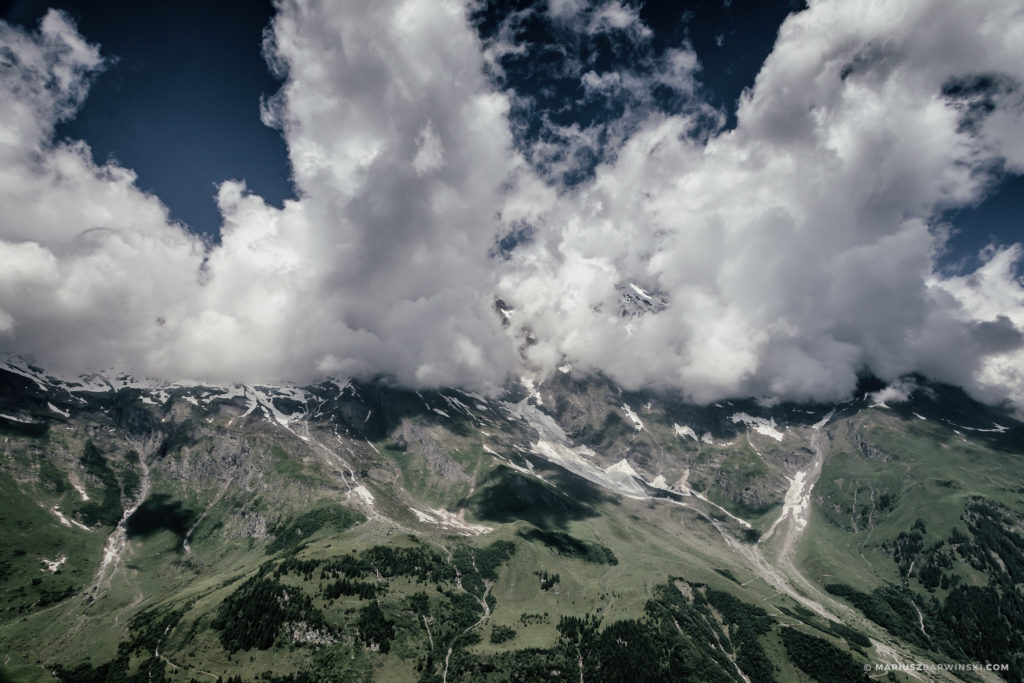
(367, 533)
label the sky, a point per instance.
(240, 192)
(178, 103)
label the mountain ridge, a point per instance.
(574, 472)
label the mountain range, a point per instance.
(567, 529)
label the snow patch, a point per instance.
(641, 292)
(701, 497)
(633, 417)
(261, 399)
(57, 410)
(622, 469)
(554, 446)
(532, 391)
(162, 397)
(363, 494)
(573, 458)
(91, 384)
(88, 383)
(252, 405)
(447, 520)
(13, 366)
(81, 491)
(473, 395)
(759, 453)
(509, 463)
(759, 424)
(458, 405)
(53, 565)
(999, 429)
(228, 393)
(70, 523)
(796, 505)
(685, 430)
(823, 421)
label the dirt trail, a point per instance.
(426, 624)
(175, 665)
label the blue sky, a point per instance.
(814, 191)
(180, 102)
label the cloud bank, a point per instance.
(793, 251)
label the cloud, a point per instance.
(400, 150)
(793, 251)
(89, 261)
(797, 249)
(897, 392)
(991, 303)
(593, 73)
(48, 76)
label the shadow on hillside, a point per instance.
(506, 496)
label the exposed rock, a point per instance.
(423, 440)
(872, 452)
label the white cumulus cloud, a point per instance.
(799, 248)
(794, 251)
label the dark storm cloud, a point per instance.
(997, 336)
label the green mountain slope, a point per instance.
(566, 531)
